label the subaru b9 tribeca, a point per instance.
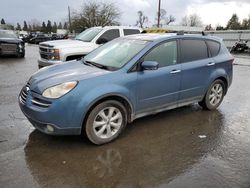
(125, 79)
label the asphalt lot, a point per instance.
(185, 147)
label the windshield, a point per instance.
(116, 53)
(7, 34)
(88, 35)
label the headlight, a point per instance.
(56, 51)
(20, 46)
(59, 90)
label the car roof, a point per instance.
(162, 36)
(119, 27)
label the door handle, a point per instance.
(175, 71)
(211, 64)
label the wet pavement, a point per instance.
(185, 147)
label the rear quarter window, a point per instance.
(214, 47)
(193, 50)
(130, 31)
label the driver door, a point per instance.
(159, 88)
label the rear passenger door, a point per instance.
(196, 68)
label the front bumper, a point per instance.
(48, 118)
(45, 62)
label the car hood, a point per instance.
(10, 40)
(69, 43)
(65, 72)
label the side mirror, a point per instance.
(101, 41)
(150, 65)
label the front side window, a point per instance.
(111, 34)
(88, 35)
(165, 54)
(193, 50)
(116, 53)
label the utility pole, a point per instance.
(159, 14)
(69, 20)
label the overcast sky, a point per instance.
(211, 11)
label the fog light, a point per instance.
(50, 128)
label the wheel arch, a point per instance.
(116, 97)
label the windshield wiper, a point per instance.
(95, 64)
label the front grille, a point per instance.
(35, 98)
(24, 93)
(40, 102)
(43, 49)
(9, 47)
(45, 56)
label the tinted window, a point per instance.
(130, 31)
(111, 34)
(214, 47)
(192, 50)
(165, 54)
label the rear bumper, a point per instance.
(44, 62)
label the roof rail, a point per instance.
(180, 32)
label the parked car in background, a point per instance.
(40, 37)
(10, 44)
(125, 79)
(54, 52)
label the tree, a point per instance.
(219, 27)
(164, 19)
(54, 28)
(25, 27)
(209, 28)
(245, 23)
(43, 28)
(2, 21)
(29, 28)
(18, 27)
(95, 14)
(234, 23)
(48, 27)
(141, 19)
(60, 25)
(65, 26)
(192, 20)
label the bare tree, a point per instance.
(164, 18)
(192, 20)
(96, 14)
(142, 19)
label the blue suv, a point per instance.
(125, 79)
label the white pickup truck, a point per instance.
(58, 51)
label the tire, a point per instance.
(100, 128)
(214, 95)
(21, 55)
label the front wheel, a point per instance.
(214, 95)
(105, 122)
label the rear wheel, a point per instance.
(214, 95)
(105, 122)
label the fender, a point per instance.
(98, 93)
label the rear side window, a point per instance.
(130, 31)
(111, 34)
(214, 47)
(192, 50)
